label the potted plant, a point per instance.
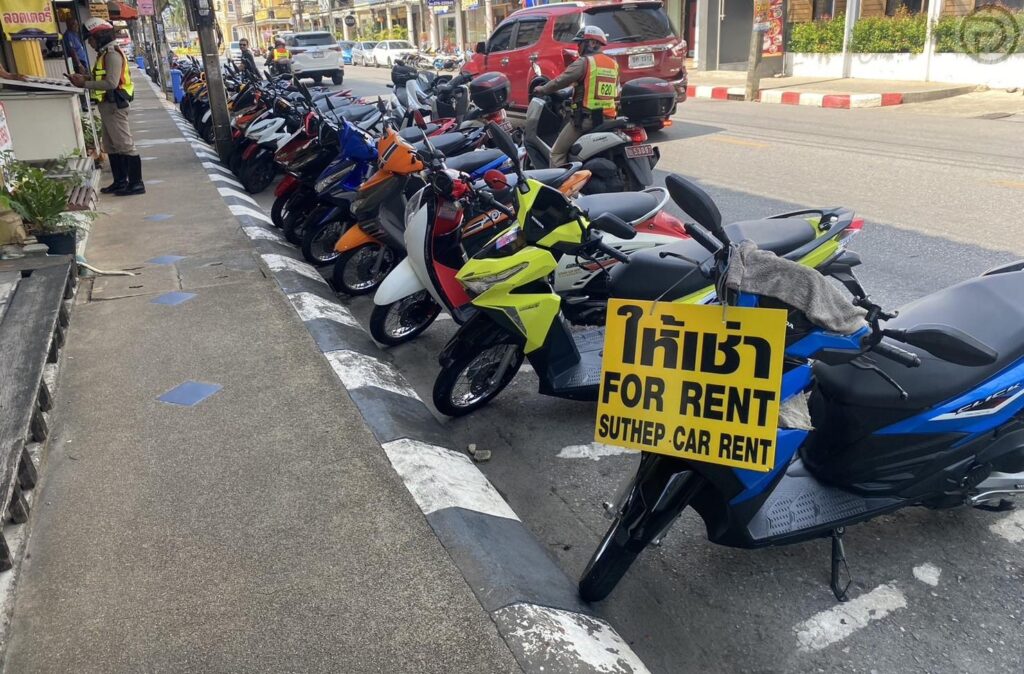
(41, 202)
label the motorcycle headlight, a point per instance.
(325, 183)
(478, 285)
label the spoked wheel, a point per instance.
(401, 321)
(293, 224)
(257, 177)
(476, 378)
(362, 269)
(318, 242)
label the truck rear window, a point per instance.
(630, 25)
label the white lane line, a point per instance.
(261, 233)
(357, 370)
(576, 641)
(224, 179)
(928, 574)
(281, 263)
(228, 192)
(239, 209)
(594, 451)
(439, 478)
(1010, 527)
(839, 622)
(311, 307)
(223, 169)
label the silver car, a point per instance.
(361, 53)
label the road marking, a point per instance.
(357, 370)
(224, 179)
(439, 478)
(149, 142)
(222, 169)
(228, 192)
(261, 233)
(737, 141)
(594, 451)
(310, 307)
(571, 641)
(839, 622)
(1013, 184)
(1010, 527)
(928, 574)
(281, 263)
(238, 209)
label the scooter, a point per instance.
(520, 316)
(937, 421)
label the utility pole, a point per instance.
(204, 19)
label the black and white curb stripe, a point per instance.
(531, 600)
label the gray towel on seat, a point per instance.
(763, 273)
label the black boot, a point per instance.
(133, 162)
(117, 167)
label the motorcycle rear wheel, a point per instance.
(402, 321)
(354, 273)
(468, 384)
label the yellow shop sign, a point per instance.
(27, 19)
(692, 382)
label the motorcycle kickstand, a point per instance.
(838, 564)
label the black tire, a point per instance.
(317, 79)
(608, 565)
(279, 209)
(235, 162)
(337, 78)
(257, 176)
(294, 223)
(207, 133)
(445, 398)
(414, 314)
(354, 273)
(318, 241)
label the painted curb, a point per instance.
(788, 97)
(531, 600)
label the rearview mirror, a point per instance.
(503, 141)
(496, 180)
(480, 48)
(698, 204)
(614, 225)
(948, 343)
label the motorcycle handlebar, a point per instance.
(611, 252)
(488, 199)
(897, 354)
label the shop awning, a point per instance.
(119, 10)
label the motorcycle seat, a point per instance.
(473, 161)
(415, 133)
(552, 177)
(989, 308)
(610, 125)
(356, 112)
(630, 206)
(648, 276)
(447, 143)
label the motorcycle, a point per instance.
(520, 316)
(920, 408)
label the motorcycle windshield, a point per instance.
(355, 143)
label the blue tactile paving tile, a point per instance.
(165, 259)
(173, 299)
(189, 393)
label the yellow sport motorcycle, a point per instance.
(519, 315)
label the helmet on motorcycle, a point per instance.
(95, 25)
(591, 33)
(278, 41)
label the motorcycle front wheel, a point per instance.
(360, 270)
(473, 380)
(401, 321)
(257, 176)
(318, 242)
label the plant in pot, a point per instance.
(41, 202)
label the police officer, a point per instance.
(112, 89)
(594, 101)
(278, 53)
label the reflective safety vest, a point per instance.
(601, 85)
(281, 54)
(99, 72)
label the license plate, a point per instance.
(635, 151)
(641, 60)
(316, 54)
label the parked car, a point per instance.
(346, 50)
(640, 38)
(361, 53)
(388, 51)
(316, 55)
(233, 52)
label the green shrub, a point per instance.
(903, 33)
(969, 35)
(817, 37)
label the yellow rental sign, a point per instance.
(693, 382)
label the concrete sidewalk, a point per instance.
(257, 529)
(821, 92)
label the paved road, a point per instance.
(938, 591)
